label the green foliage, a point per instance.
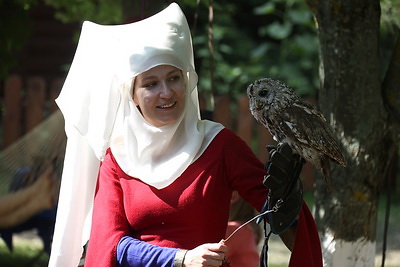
(99, 11)
(15, 21)
(390, 18)
(251, 41)
(390, 25)
(14, 31)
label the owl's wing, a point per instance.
(303, 123)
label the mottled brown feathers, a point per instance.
(289, 119)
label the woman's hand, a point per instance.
(211, 254)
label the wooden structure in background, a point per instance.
(26, 104)
(28, 94)
(39, 105)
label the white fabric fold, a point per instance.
(158, 156)
(99, 113)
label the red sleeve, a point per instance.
(248, 173)
(243, 169)
(307, 246)
(109, 223)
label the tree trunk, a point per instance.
(350, 98)
(391, 84)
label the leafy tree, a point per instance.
(276, 39)
(14, 31)
(351, 98)
(279, 40)
(99, 11)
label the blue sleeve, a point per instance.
(133, 252)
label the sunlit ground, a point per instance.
(279, 256)
(27, 252)
(27, 246)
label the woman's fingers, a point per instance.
(210, 254)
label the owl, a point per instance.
(289, 119)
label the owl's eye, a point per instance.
(263, 93)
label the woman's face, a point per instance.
(160, 94)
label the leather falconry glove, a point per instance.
(286, 191)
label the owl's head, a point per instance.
(267, 93)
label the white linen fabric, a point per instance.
(96, 101)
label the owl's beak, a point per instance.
(259, 105)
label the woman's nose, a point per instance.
(166, 91)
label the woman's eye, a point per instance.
(175, 78)
(150, 84)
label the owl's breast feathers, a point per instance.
(304, 126)
(291, 120)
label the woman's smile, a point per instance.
(167, 106)
(159, 94)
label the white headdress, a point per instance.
(99, 113)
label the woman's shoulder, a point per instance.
(109, 162)
(227, 134)
(227, 137)
(109, 157)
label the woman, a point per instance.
(166, 177)
(17, 207)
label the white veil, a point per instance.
(99, 113)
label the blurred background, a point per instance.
(235, 43)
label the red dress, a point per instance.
(193, 210)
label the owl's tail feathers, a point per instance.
(337, 156)
(340, 160)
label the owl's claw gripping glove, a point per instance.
(285, 197)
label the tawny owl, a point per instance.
(289, 119)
